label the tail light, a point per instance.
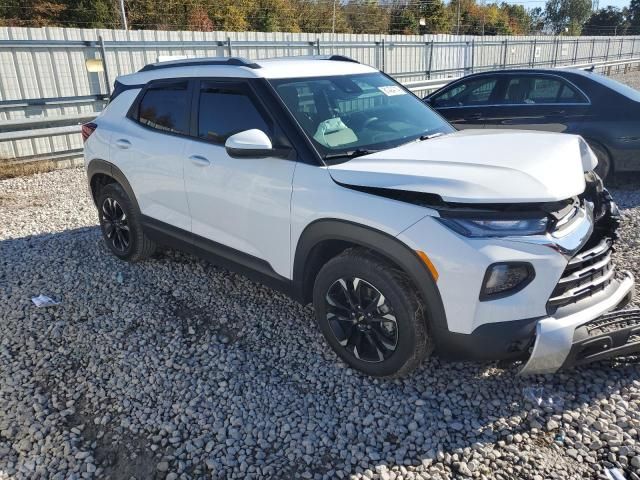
(87, 130)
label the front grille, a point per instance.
(589, 272)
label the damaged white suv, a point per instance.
(328, 180)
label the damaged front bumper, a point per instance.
(587, 335)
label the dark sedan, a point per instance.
(605, 112)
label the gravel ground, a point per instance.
(174, 368)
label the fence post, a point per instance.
(504, 53)
(229, 51)
(532, 60)
(555, 53)
(575, 52)
(383, 56)
(317, 46)
(103, 54)
(430, 60)
(473, 54)
(606, 55)
(593, 46)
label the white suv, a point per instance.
(328, 180)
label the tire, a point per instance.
(604, 160)
(121, 226)
(388, 339)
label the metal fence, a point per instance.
(46, 90)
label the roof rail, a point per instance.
(199, 62)
(337, 58)
(342, 58)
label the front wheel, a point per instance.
(371, 315)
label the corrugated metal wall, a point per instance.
(44, 69)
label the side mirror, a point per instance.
(250, 143)
(427, 100)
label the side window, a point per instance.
(569, 94)
(473, 92)
(224, 111)
(531, 90)
(165, 107)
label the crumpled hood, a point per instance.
(477, 166)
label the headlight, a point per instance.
(495, 228)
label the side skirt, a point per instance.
(252, 267)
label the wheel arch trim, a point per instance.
(379, 242)
(99, 166)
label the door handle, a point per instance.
(558, 112)
(199, 160)
(123, 143)
(473, 116)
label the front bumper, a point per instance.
(578, 338)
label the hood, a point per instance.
(477, 166)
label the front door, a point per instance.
(464, 103)
(239, 203)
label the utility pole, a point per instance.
(333, 27)
(123, 15)
(458, 23)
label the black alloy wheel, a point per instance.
(116, 225)
(361, 319)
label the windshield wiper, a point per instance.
(358, 152)
(429, 137)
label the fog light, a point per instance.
(502, 279)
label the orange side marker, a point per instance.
(423, 256)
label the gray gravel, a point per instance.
(174, 368)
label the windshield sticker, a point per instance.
(391, 90)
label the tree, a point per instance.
(633, 17)
(567, 15)
(606, 21)
(92, 14)
(537, 20)
(437, 19)
(367, 16)
(199, 20)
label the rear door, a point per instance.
(544, 102)
(465, 102)
(148, 147)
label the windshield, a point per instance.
(620, 88)
(363, 113)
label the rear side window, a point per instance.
(473, 92)
(531, 90)
(224, 111)
(165, 107)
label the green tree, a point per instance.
(367, 16)
(435, 15)
(92, 14)
(567, 16)
(633, 17)
(606, 21)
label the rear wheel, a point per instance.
(121, 226)
(371, 315)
